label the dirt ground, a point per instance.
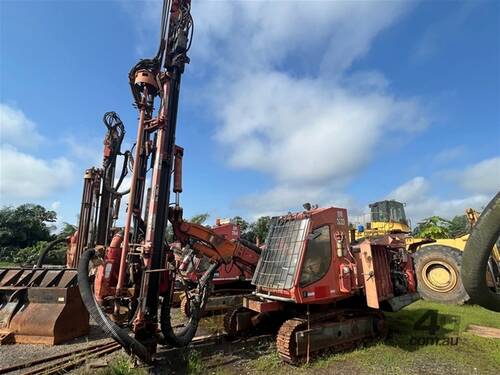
(256, 355)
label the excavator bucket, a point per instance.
(41, 306)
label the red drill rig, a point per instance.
(326, 291)
(323, 291)
(230, 283)
(136, 268)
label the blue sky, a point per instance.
(336, 103)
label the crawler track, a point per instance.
(286, 339)
(230, 321)
(64, 362)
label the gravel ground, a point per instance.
(14, 354)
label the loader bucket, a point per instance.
(40, 306)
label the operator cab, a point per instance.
(388, 211)
(388, 217)
(307, 258)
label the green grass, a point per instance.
(268, 363)
(213, 324)
(121, 365)
(397, 355)
(468, 314)
(7, 264)
(195, 364)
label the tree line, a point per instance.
(26, 229)
(255, 232)
(436, 227)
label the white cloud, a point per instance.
(311, 125)
(263, 34)
(305, 129)
(483, 177)
(434, 37)
(289, 104)
(286, 101)
(17, 129)
(22, 176)
(447, 208)
(283, 198)
(55, 206)
(280, 199)
(420, 203)
(449, 155)
(88, 152)
(410, 191)
(326, 35)
(58, 226)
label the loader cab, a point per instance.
(306, 258)
(388, 216)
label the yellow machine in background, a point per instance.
(437, 262)
(385, 217)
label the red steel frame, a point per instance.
(347, 274)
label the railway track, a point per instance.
(61, 363)
(64, 362)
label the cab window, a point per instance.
(318, 256)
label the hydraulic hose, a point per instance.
(114, 139)
(114, 190)
(45, 251)
(131, 345)
(183, 336)
(477, 251)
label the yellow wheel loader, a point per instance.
(437, 262)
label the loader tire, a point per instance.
(476, 253)
(438, 274)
